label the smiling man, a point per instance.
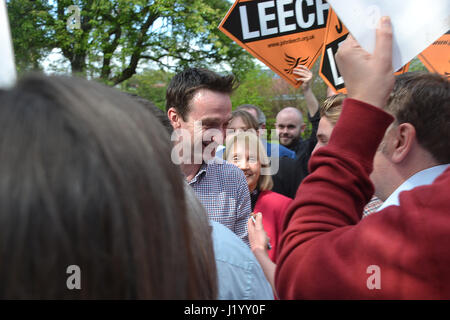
(199, 108)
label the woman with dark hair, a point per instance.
(86, 180)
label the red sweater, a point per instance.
(273, 207)
(326, 250)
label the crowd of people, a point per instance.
(196, 203)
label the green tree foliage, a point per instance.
(151, 85)
(417, 65)
(115, 36)
(30, 35)
(255, 88)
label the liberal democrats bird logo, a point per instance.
(293, 63)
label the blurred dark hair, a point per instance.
(423, 100)
(157, 112)
(87, 180)
(185, 84)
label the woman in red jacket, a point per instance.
(247, 152)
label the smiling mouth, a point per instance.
(248, 175)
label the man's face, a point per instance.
(323, 133)
(207, 120)
(289, 127)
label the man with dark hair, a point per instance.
(401, 252)
(198, 106)
(416, 147)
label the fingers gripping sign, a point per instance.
(369, 78)
(304, 74)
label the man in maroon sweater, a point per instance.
(327, 252)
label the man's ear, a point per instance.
(403, 140)
(174, 118)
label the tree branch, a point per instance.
(137, 52)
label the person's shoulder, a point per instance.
(272, 195)
(220, 164)
(229, 248)
(271, 199)
(286, 152)
(283, 152)
(226, 170)
(240, 275)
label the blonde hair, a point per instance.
(250, 140)
(332, 108)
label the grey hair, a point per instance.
(261, 116)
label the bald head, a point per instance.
(289, 125)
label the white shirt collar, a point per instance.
(421, 178)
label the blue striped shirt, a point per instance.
(223, 191)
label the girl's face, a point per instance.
(248, 162)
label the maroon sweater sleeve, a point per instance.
(325, 252)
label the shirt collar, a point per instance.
(421, 178)
(202, 171)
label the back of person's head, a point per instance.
(247, 119)
(87, 180)
(185, 84)
(261, 119)
(332, 108)
(423, 100)
(157, 112)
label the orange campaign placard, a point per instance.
(436, 58)
(282, 34)
(335, 34)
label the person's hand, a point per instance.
(368, 78)
(305, 75)
(259, 241)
